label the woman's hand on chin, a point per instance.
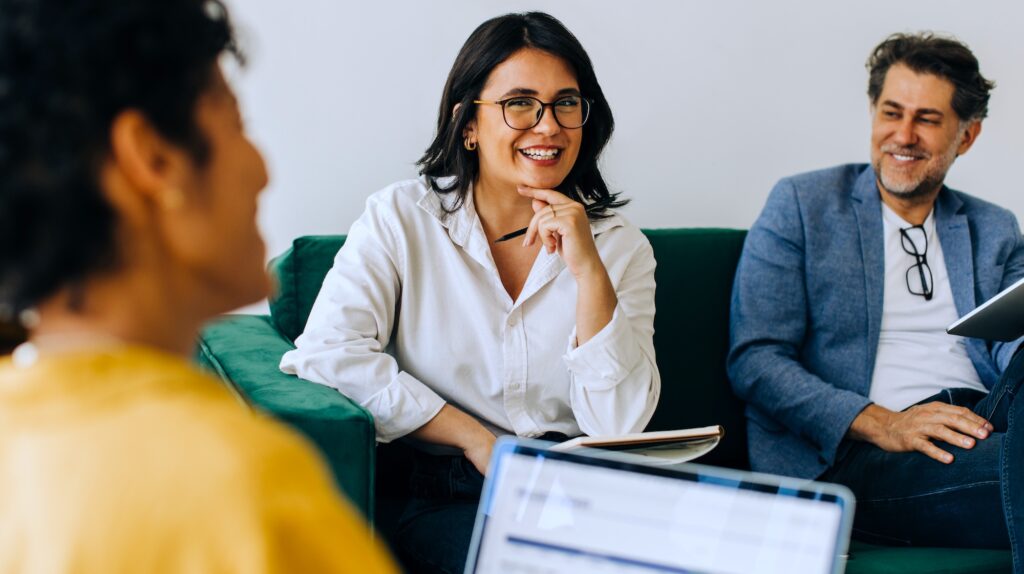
(562, 225)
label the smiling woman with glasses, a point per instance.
(451, 335)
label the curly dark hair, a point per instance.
(945, 57)
(67, 69)
(488, 46)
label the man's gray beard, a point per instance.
(927, 186)
(921, 191)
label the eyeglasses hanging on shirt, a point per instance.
(919, 276)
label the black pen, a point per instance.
(519, 232)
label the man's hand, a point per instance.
(915, 428)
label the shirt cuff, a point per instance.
(607, 358)
(403, 406)
(1005, 352)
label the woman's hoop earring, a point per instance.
(469, 144)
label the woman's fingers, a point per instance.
(557, 219)
(531, 231)
(549, 196)
(547, 229)
(540, 226)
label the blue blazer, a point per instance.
(807, 307)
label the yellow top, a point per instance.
(129, 460)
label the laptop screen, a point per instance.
(544, 511)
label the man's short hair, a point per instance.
(945, 57)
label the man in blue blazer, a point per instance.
(841, 298)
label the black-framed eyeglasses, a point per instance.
(525, 112)
(919, 276)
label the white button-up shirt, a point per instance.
(413, 315)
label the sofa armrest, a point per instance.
(245, 350)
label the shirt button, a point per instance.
(514, 386)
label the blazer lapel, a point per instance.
(955, 237)
(867, 206)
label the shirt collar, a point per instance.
(892, 218)
(599, 226)
(459, 222)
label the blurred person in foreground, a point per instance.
(127, 219)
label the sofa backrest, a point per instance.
(691, 335)
(299, 273)
(694, 276)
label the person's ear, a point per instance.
(148, 167)
(969, 136)
(469, 132)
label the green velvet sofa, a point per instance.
(694, 277)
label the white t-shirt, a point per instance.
(916, 357)
(413, 315)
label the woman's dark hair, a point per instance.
(488, 46)
(927, 53)
(67, 69)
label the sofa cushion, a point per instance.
(870, 559)
(300, 272)
(245, 350)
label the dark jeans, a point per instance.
(427, 507)
(975, 502)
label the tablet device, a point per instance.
(1001, 318)
(587, 511)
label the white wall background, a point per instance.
(714, 100)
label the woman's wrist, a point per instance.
(453, 427)
(592, 270)
(479, 437)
